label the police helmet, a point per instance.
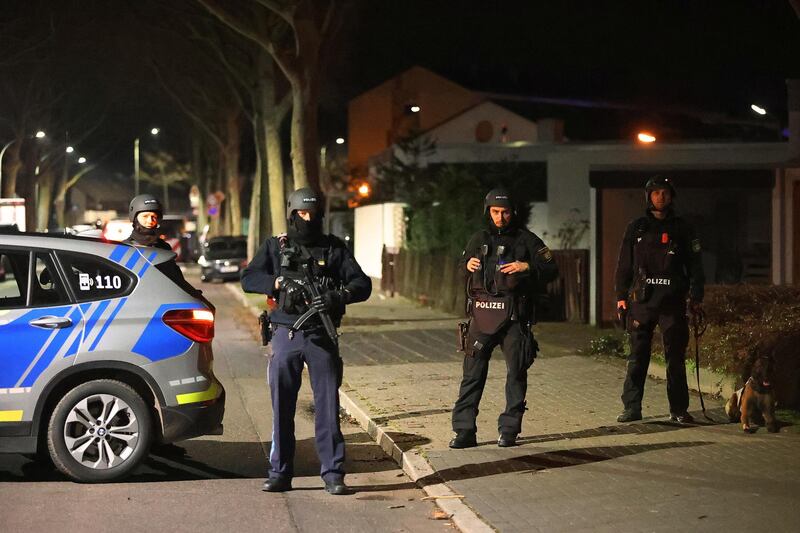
(658, 182)
(498, 197)
(304, 199)
(144, 202)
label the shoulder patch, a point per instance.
(696, 245)
(546, 254)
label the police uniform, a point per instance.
(659, 265)
(332, 266)
(501, 310)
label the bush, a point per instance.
(746, 321)
(609, 344)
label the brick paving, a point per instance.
(576, 468)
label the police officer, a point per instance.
(145, 213)
(277, 270)
(659, 265)
(507, 266)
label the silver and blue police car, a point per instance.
(101, 354)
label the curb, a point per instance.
(412, 463)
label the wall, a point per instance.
(377, 226)
(462, 128)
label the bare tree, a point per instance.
(295, 39)
(162, 169)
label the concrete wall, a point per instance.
(377, 226)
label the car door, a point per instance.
(39, 328)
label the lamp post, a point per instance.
(39, 135)
(154, 132)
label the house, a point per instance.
(744, 197)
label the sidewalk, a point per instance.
(576, 468)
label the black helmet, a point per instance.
(144, 202)
(655, 183)
(303, 199)
(498, 198)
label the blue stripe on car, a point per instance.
(108, 323)
(92, 322)
(75, 346)
(159, 341)
(147, 264)
(118, 252)
(51, 351)
(23, 343)
(133, 259)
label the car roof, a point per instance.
(74, 243)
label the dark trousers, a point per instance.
(285, 372)
(671, 320)
(517, 349)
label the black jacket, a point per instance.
(259, 275)
(668, 249)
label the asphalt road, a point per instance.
(213, 483)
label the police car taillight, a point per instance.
(196, 324)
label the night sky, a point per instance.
(704, 55)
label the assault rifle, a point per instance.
(324, 317)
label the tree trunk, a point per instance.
(11, 167)
(305, 139)
(201, 179)
(255, 227)
(44, 198)
(233, 223)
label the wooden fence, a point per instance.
(437, 280)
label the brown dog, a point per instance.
(755, 398)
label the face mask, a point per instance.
(305, 231)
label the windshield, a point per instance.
(226, 249)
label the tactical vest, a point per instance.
(292, 258)
(492, 298)
(657, 260)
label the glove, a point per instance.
(330, 301)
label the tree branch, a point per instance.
(188, 112)
(273, 6)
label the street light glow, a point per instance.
(415, 109)
(40, 134)
(154, 131)
(339, 140)
(363, 190)
(758, 109)
(646, 137)
(70, 149)
(81, 160)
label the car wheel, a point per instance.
(99, 431)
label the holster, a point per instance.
(266, 331)
(530, 346)
(461, 339)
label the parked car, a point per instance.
(223, 258)
(102, 355)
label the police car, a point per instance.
(101, 355)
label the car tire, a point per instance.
(81, 442)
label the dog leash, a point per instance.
(699, 327)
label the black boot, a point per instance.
(336, 487)
(629, 415)
(277, 484)
(464, 439)
(507, 440)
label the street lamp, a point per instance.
(645, 137)
(154, 132)
(339, 140)
(758, 109)
(39, 135)
(81, 160)
(70, 149)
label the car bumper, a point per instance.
(193, 420)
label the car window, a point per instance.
(92, 278)
(46, 287)
(13, 278)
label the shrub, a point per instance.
(609, 344)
